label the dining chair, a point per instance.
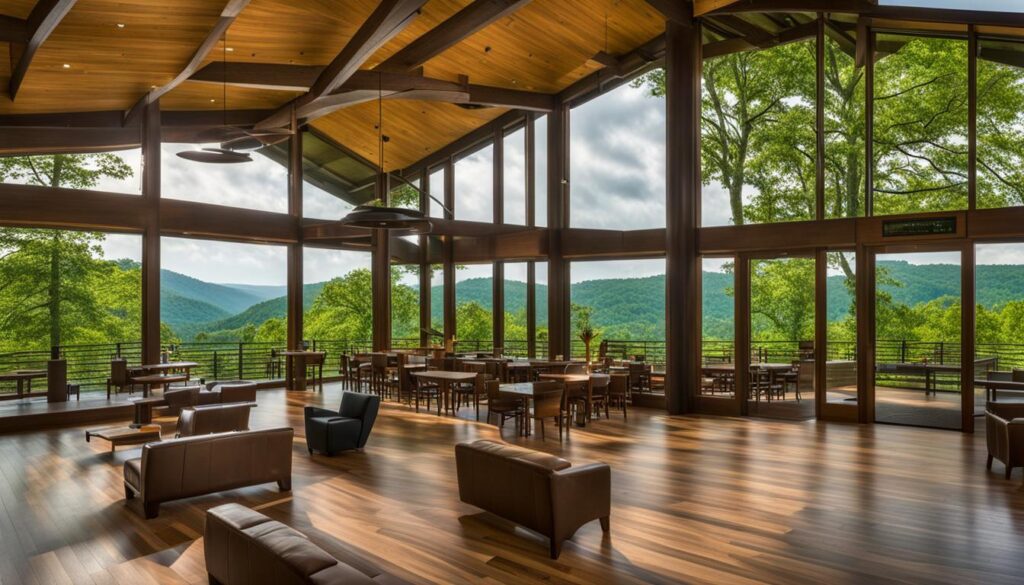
(597, 395)
(504, 407)
(426, 390)
(383, 378)
(617, 393)
(576, 369)
(549, 402)
(315, 368)
(118, 379)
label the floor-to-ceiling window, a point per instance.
(515, 291)
(224, 305)
(718, 323)
(473, 302)
(337, 300)
(514, 177)
(474, 185)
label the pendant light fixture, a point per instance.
(409, 221)
(219, 155)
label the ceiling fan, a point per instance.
(232, 139)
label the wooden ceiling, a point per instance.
(117, 52)
(544, 46)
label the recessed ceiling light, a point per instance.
(67, 65)
(229, 49)
(212, 100)
(120, 25)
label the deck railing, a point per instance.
(89, 365)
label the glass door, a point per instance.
(780, 374)
(917, 337)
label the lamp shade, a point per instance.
(215, 155)
(387, 218)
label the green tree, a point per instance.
(473, 322)
(55, 286)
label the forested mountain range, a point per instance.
(622, 306)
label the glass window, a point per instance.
(841, 311)
(405, 195)
(540, 188)
(224, 305)
(514, 177)
(473, 302)
(718, 328)
(515, 342)
(920, 129)
(79, 291)
(622, 304)
(337, 300)
(844, 127)
(437, 187)
(757, 135)
(437, 302)
(261, 184)
(541, 324)
(999, 317)
(474, 186)
(617, 161)
(333, 181)
(1000, 124)
(114, 172)
(405, 305)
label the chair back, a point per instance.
(618, 384)
(474, 367)
(1018, 375)
(576, 369)
(805, 374)
(491, 388)
(119, 371)
(548, 399)
(379, 362)
(599, 384)
(436, 363)
(316, 359)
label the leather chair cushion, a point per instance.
(527, 456)
(354, 405)
(323, 420)
(209, 397)
(133, 472)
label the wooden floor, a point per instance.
(695, 500)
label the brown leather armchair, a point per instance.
(194, 466)
(213, 418)
(1004, 431)
(539, 491)
(245, 547)
(228, 392)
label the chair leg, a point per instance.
(541, 428)
(606, 523)
(1009, 470)
(988, 464)
(556, 549)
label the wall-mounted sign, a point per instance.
(918, 227)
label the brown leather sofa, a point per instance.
(539, 491)
(213, 418)
(1004, 432)
(228, 392)
(245, 547)
(194, 466)
(178, 398)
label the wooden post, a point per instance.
(967, 326)
(972, 118)
(819, 120)
(151, 234)
(498, 267)
(295, 277)
(531, 220)
(682, 74)
(448, 253)
(426, 320)
(531, 309)
(558, 268)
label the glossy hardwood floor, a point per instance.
(695, 499)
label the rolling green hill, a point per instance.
(623, 307)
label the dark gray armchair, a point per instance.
(328, 431)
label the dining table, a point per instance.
(526, 392)
(295, 368)
(444, 380)
(160, 374)
(22, 379)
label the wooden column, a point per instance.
(819, 120)
(498, 267)
(558, 268)
(869, 121)
(426, 320)
(967, 342)
(531, 220)
(295, 277)
(972, 118)
(151, 234)
(682, 121)
(531, 309)
(380, 269)
(448, 253)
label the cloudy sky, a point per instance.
(999, 5)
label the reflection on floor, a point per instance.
(695, 500)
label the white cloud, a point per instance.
(261, 184)
(122, 246)
(474, 186)
(320, 264)
(225, 262)
(581, 271)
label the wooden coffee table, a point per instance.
(126, 435)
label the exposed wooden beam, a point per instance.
(754, 34)
(273, 76)
(464, 23)
(227, 17)
(13, 30)
(363, 83)
(387, 20)
(790, 35)
(842, 38)
(704, 6)
(41, 23)
(43, 140)
(674, 10)
(628, 66)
